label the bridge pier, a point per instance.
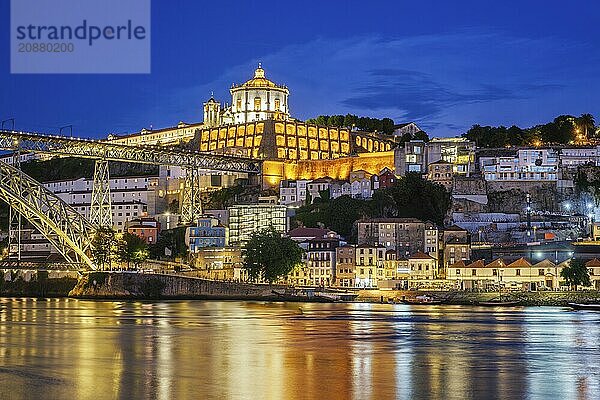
(14, 218)
(191, 204)
(100, 207)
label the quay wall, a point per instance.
(472, 298)
(153, 286)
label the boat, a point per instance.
(422, 300)
(578, 306)
(498, 303)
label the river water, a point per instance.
(75, 349)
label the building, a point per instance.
(407, 129)
(292, 193)
(340, 188)
(423, 267)
(129, 196)
(321, 260)
(523, 165)
(441, 172)
(456, 246)
(208, 232)
(520, 274)
(145, 228)
(257, 124)
(459, 152)
(416, 155)
(573, 157)
(405, 235)
(222, 263)
(387, 178)
(410, 157)
(246, 220)
(345, 268)
(369, 265)
(318, 186)
(361, 185)
(396, 272)
(302, 235)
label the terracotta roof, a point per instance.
(545, 263)
(419, 255)
(593, 263)
(458, 264)
(497, 263)
(308, 232)
(477, 264)
(520, 263)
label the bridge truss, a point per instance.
(102, 151)
(66, 229)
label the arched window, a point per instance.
(257, 104)
(239, 105)
(277, 104)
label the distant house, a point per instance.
(409, 128)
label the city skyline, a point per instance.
(441, 66)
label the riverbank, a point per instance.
(126, 285)
(473, 298)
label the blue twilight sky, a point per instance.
(445, 64)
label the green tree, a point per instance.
(270, 256)
(134, 250)
(421, 135)
(413, 196)
(105, 247)
(171, 239)
(586, 123)
(576, 273)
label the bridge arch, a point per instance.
(68, 231)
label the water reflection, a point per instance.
(64, 348)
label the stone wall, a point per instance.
(136, 285)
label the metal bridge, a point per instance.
(67, 230)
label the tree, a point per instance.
(270, 256)
(421, 135)
(413, 196)
(576, 273)
(171, 239)
(586, 123)
(105, 247)
(134, 250)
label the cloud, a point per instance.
(442, 81)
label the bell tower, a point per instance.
(212, 112)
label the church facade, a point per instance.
(257, 99)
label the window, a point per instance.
(474, 272)
(518, 272)
(257, 104)
(277, 104)
(541, 272)
(495, 272)
(458, 272)
(239, 104)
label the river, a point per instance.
(78, 349)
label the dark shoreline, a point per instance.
(154, 287)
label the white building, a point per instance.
(525, 165)
(361, 186)
(340, 188)
(572, 157)
(292, 192)
(129, 196)
(246, 220)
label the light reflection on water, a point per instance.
(73, 349)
